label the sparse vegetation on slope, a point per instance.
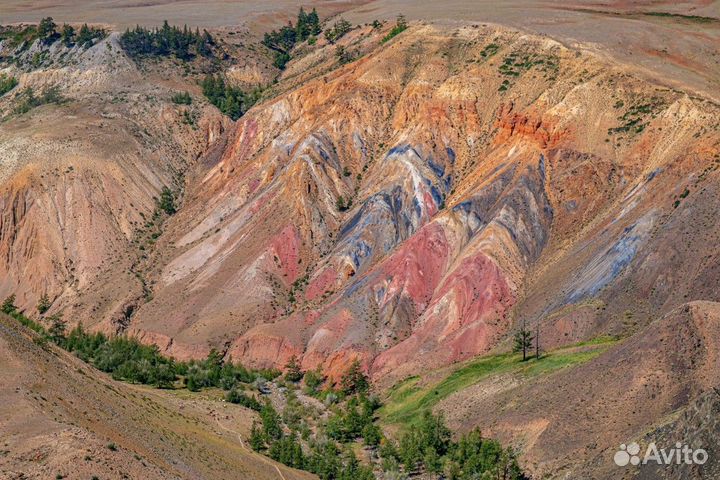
(409, 399)
(28, 99)
(282, 41)
(400, 26)
(338, 30)
(429, 447)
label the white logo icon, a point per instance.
(627, 454)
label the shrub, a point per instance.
(237, 397)
(8, 305)
(7, 83)
(183, 98)
(343, 56)
(338, 30)
(400, 26)
(43, 304)
(313, 381)
(166, 202)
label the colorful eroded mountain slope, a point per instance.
(410, 207)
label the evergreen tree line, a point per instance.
(424, 448)
(167, 40)
(85, 36)
(125, 358)
(232, 101)
(283, 40)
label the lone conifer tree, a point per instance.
(523, 341)
(293, 373)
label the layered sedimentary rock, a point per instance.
(81, 177)
(409, 208)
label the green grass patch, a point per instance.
(407, 401)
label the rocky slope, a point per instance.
(638, 390)
(492, 176)
(81, 177)
(63, 419)
(412, 208)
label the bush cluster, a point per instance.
(182, 98)
(232, 101)
(429, 447)
(28, 99)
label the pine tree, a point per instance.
(67, 35)
(313, 381)
(354, 380)
(523, 341)
(271, 422)
(257, 438)
(57, 328)
(293, 373)
(46, 30)
(313, 20)
(8, 306)
(43, 304)
(371, 434)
